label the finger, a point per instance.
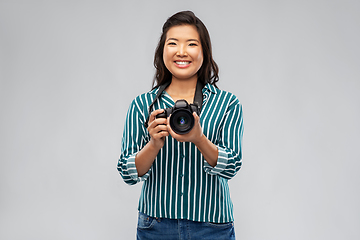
(157, 125)
(161, 127)
(160, 135)
(157, 121)
(162, 121)
(154, 113)
(196, 116)
(164, 133)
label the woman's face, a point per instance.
(183, 54)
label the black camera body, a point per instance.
(181, 119)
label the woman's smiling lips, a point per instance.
(182, 64)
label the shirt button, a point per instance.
(181, 175)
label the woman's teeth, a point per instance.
(182, 63)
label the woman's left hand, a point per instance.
(193, 136)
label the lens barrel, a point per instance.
(182, 121)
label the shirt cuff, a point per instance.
(132, 171)
(220, 165)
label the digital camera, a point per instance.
(181, 119)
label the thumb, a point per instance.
(196, 117)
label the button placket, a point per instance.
(182, 157)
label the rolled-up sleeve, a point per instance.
(133, 140)
(229, 143)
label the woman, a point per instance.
(185, 192)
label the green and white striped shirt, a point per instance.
(180, 183)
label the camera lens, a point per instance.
(182, 121)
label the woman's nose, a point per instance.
(181, 51)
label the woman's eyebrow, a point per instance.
(175, 39)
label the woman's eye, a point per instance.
(192, 44)
(171, 43)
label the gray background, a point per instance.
(69, 70)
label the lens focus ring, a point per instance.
(182, 121)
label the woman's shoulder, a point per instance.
(225, 95)
(144, 100)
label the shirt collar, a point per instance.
(209, 88)
(154, 91)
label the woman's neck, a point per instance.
(182, 89)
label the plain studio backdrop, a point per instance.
(69, 70)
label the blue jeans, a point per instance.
(150, 228)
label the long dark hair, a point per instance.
(209, 71)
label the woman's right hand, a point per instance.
(157, 129)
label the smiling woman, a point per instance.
(208, 72)
(183, 55)
(185, 194)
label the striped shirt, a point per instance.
(180, 183)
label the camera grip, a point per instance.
(161, 115)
